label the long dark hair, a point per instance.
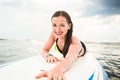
(69, 33)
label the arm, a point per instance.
(45, 51)
(48, 45)
(75, 51)
(70, 58)
(58, 71)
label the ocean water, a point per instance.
(13, 50)
(108, 54)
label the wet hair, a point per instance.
(69, 33)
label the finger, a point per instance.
(42, 74)
(48, 60)
(64, 78)
(50, 77)
(51, 60)
(59, 78)
(54, 78)
(54, 60)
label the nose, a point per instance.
(57, 29)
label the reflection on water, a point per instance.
(108, 54)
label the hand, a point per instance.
(51, 75)
(52, 59)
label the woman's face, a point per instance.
(60, 26)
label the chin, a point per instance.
(58, 36)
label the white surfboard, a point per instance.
(85, 68)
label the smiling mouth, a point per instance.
(58, 33)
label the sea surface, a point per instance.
(107, 53)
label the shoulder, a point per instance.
(75, 40)
(76, 46)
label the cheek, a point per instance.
(65, 31)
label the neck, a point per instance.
(61, 40)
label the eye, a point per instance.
(62, 25)
(54, 25)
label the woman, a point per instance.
(66, 43)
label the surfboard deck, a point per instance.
(85, 68)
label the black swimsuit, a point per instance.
(84, 47)
(58, 49)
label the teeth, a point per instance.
(58, 33)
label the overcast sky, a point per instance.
(94, 20)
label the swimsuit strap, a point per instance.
(57, 47)
(84, 47)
